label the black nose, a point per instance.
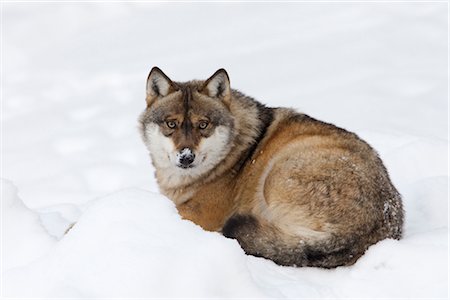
(186, 158)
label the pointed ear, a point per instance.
(159, 85)
(218, 85)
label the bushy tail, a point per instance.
(260, 238)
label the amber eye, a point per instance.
(203, 125)
(171, 124)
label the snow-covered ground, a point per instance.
(74, 83)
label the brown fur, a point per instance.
(291, 188)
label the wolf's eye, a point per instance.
(203, 125)
(171, 124)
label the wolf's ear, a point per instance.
(158, 84)
(218, 85)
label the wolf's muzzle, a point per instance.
(185, 158)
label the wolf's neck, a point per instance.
(264, 117)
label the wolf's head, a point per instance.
(187, 127)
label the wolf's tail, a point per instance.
(260, 238)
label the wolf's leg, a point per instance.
(209, 213)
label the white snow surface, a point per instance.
(73, 85)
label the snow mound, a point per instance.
(23, 237)
(133, 243)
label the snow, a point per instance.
(74, 84)
(132, 247)
(27, 240)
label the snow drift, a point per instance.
(133, 244)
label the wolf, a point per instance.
(286, 186)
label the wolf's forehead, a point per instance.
(183, 102)
(188, 103)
